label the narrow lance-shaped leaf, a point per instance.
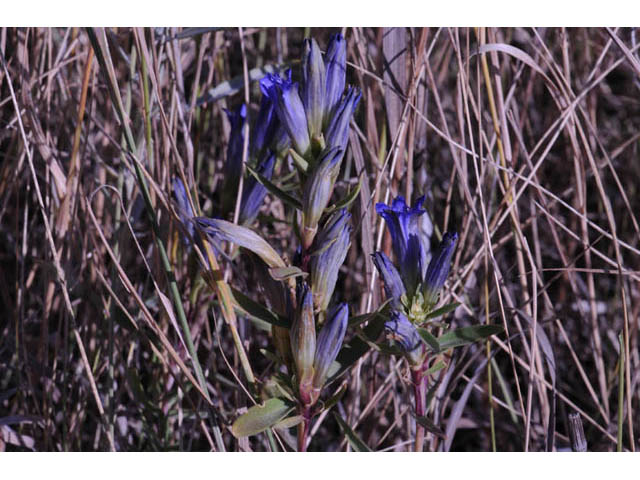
(466, 335)
(261, 417)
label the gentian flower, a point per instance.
(254, 192)
(409, 245)
(337, 134)
(331, 245)
(303, 341)
(393, 286)
(313, 86)
(438, 269)
(405, 335)
(284, 94)
(335, 62)
(185, 212)
(232, 168)
(317, 191)
(329, 343)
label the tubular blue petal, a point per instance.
(336, 68)
(319, 187)
(332, 243)
(185, 212)
(290, 110)
(403, 332)
(303, 341)
(329, 343)
(313, 86)
(254, 192)
(337, 134)
(438, 269)
(393, 286)
(406, 239)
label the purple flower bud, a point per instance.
(303, 341)
(319, 187)
(329, 343)
(337, 134)
(335, 61)
(331, 245)
(254, 192)
(438, 269)
(407, 241)
(264, 128)
(313, 86)
(404, 334)
(284, 94)
(393, 286)
(270, 132)
(185, 212)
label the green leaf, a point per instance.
(261, 417)
(349, 199)
(467, 335)
(278, 192)
(285, 273)
(435, 368)
(289, 422)
(429, 426)
(442, 310)
(360, 319)
(356, 443)
(254, 309)
(429, 340)
(335, 398)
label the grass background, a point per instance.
(524, 140)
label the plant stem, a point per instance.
(303, 428)
(419, 391)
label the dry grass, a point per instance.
(528, 146)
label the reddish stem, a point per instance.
(303, 428)
(419, 392)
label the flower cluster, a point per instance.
(414, 282)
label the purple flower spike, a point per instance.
(438, 269)
(329, 343)
(409, 245)
(336, 67)
(393, 286)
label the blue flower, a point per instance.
(284, 94)
(329, 251)
(337, 134)
(313, 86)
(404, 334)
(319, 187)
(438, 269)
(303, 342)
(409, 245)
(335, 62)
(185, 212)
(232, 168)
(329, 343)
(254, 192)
(393, 286)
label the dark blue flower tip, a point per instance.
(232, 168)
(393, 285)
(409, 244)
(264, 128)
(313, 86)
(336, 67)
(254, 192)
(438, 269)
(290, 110)
(185, 212)
(402, 332)
(329, 249)
(329, 343)
(337, 134)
